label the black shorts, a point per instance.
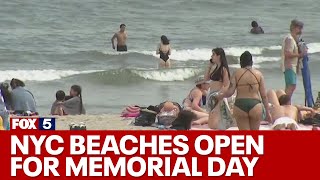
(121, 48)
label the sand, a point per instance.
(98, 122)
(115, 122)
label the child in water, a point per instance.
(57, 108)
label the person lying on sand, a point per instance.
(172, 116)
(168, 113)
(183, 121)
(284, 115)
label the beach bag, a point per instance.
(146, 118)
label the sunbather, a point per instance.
(284, 115)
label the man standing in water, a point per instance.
(290, 56)
(121, 37)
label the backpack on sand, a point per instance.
(146, 118)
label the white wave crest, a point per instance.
(168, 74)
(40, 75)
(261, 59)
(205, 53)
(313, 48)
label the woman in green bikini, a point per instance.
(251, 95)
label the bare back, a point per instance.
(165, 48)
(284, 111)
(248, 83)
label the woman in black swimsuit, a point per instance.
(164, 50)
(218, 73)
(251, 95)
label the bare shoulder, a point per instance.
(196, 91)
(293, 108)
(238, 71)
(287, 40)
(257, 71)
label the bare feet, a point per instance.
(291, 126)
(280, 127)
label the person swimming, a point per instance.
(256, 29)
(164, 50)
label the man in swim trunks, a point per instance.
(121, 37)
(284, 115)
(290, 56)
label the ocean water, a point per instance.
(52, 45)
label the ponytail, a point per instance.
(81, 105)
(77, 89)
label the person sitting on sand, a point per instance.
(57, 108)
(164, 49)
(256, 29)
(284, 115)
(196, 99)
(22, 99)
(74, 105)
(248, 108)
(6, 94)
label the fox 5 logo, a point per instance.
(23, 123)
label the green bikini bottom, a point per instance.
(246, 104)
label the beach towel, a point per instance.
(226, 118)
(72, 106)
